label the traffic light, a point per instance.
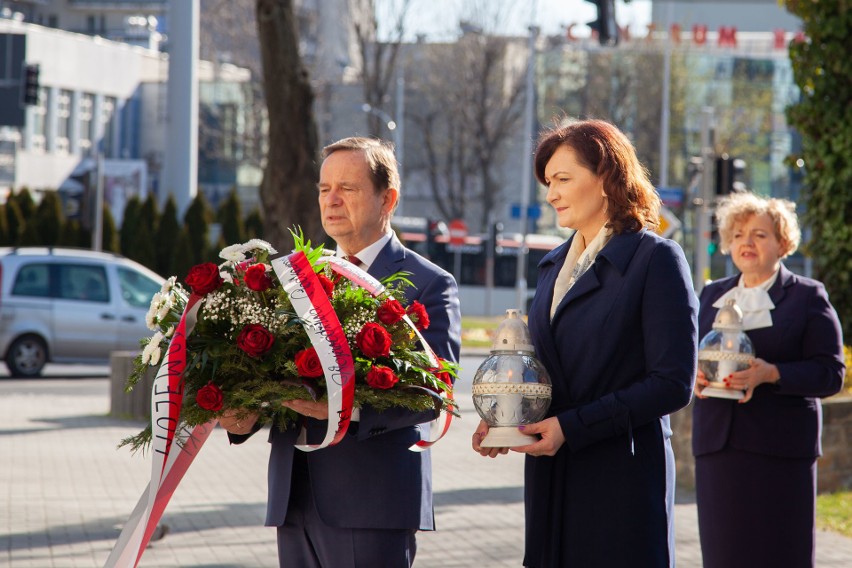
(31, 84)
(605, 23)
(728, 172)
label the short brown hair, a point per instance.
(379, 155)
(739, 206)
(632, 201)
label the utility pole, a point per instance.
(526, 173)
(704, 202)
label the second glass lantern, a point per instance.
(725, 350)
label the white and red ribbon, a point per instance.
(439, 426)
(326, 334)
(172, 451)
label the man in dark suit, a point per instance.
(359, 503)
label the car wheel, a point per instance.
(26, 356)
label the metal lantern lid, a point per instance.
(512, 335)
(729, 317)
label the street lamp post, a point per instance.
(526, 173)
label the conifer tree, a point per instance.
(254, 225)
(197, 223)
(184, 257)
(30, 236)
(230, 217)
(129, 225)
(166, 239)
(4, 228)
(69, 235)
(48, 219)
(109, 234)
(25, 201)
(14, 221)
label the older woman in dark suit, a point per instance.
(614, 322)
(755, 459)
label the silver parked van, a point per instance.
(67, 305)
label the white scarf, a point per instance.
(577, 262)
(754, 302)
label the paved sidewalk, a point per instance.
(65, 491)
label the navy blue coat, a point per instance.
(805, 343)
(621, 352)
(370, 479)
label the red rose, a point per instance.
(256, 278)
(390, 312)
(417, 312)
(308, 363)
(209, 397)
(203, 278)
(381, 377)
(442, 375)
(255, 340)
(327, 284)
(373, 340)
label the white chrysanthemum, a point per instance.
(165, 306)
(169, 332)
(226, 276)
(151, 353)
(153, 310)
(259, 244)
(168, 285)
(233, 253)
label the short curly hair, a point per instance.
(739, 206)
(632, 201)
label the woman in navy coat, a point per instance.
(755, 459)
(614, 322)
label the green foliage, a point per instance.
(71, 234)
(30, 236)
(167, 235)
(4, 228)
(254, 225)
(24, 199)
(129, 224)
(259, 383)
(822, 69)
(14, 221)
(834, 512)
(197, 222)
(230, 217)
(150, 213)
(109, 235)
(48, 219)
(183, 258)
(144, 251)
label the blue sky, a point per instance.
(438, 19)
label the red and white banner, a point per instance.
(326, 334)
(439, 426)
(172, 450)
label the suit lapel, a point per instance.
(389, 260)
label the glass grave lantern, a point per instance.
(511, 387)
(726, 349)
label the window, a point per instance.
(85, 108)
(82, 282)
(33, 280)
(136, 288)
(108, 122)
(63, 120)
(40, 121)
